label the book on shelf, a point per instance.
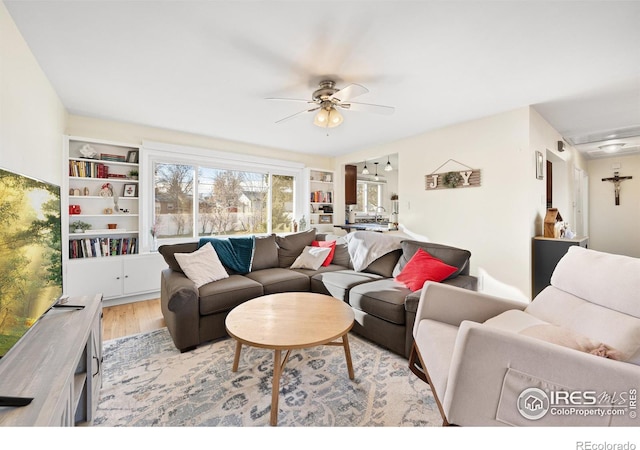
(321, 197)
(112, 157)
(101, 247)
(88, 169)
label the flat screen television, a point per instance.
(30, 254)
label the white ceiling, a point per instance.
(206, 67)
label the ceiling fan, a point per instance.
(327, 100)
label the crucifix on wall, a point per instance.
(616, 180)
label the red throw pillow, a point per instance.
(423, 267)
(329, 244)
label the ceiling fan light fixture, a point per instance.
(611, 148)
(388, 167)
(328, 117)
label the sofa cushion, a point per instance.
(384, 299)
(224, 295)
(278, 280)
(620, 331)
(330, 268)
(606, 279)
(520, 322)
(291, 245)
(328, 244)
(167, 252)
(311, 258)
(384, 265)
(202, 266)
(338, 283)
(265, 255)
(423, 267)
(453, 256)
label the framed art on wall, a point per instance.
(539, 165)
(132, 156)
(130, 190)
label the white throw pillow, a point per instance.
(202, 266)
(311, 258)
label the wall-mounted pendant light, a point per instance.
(365, 171)
(388, 167)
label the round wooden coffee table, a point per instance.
(287, 321)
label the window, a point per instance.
(369, 196)
(193, 200)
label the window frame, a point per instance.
(381, 189)
(160, 153)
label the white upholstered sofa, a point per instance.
(569, 358)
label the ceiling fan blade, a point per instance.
(368, 107)
(290, 99)
(297, 114)
(349, 92)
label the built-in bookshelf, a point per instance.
(103, 201)
(321, 199)
(102, 246)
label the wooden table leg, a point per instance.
(236, 357)
(275, 390)
(347, 354)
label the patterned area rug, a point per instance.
(148, 382)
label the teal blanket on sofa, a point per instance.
(235, 253)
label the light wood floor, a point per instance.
(131, 318)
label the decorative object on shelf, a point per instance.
(108, 211)
(106, 190)
(133, 174)
(129, 190)
(132, 156)
(388, 167)
(327, 178)
(295, 226)
(553, 223)
(74, 209)
(75, 192)
(539, 165)
(394, 196)
(453, 178)
(86, 191)
(112, 226)
(87, 151)
(303, 223)
(324, 218)
(79, 226)
(616, 180)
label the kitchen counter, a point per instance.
(372, 226)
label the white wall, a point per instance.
(495, 221)
(134, 134)
(612, 228)
(32, 118)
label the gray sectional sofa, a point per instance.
(384, 308)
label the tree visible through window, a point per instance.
(228, 201)
(369, 196)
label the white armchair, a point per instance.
(569, 358)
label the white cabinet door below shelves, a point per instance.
(94, 276)
(142, 274)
